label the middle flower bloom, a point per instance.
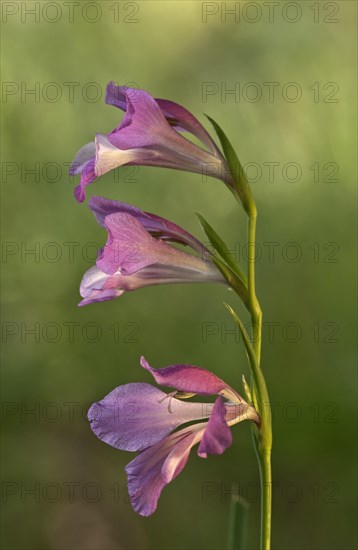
(137, 254)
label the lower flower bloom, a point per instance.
(140, 417)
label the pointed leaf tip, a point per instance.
(237, 172)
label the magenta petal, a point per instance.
(187, 378)
(102, 207)
(116, 95)
(156, 225)
(154, 467)
(87, 176)
(177, 116)
(143, 124)
(183, 120)
(150, 140)
(129, 247)
(217, 436)
(136, 416)
(97, 286)
(147, 136)
(85, 154)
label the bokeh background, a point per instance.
(63, 488)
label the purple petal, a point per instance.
(145, 134)
(189, 378)
(130, 248)
(177, 116)
(102, 207)
(146, 137)
(154, 467)
(183, 120)
(143, 123)
(117, 95)
(87, 176)
(97, 286)
(162, 227)
(217, 436)
(85, 154)
(136, 416)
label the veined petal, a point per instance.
(97, 286)
(145, 128)
(192, 379)
(217, 436)
(136, 416)
(130, 247)
(178, 117)
(165, 229)
(146, 136)
(145, 478)
(143, 124)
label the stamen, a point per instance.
(170, 396)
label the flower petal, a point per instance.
(87, 176)
(97, 286)
(145, 473)
(136, 416)
(183, 120)
(177, 116)
(117, 95)
(86, 153)
(130, 247)
(143, 124)
(217, 436)
(189, 378)
(146, 132)
(102, 207)
(109, 157)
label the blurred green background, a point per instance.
(63, 488)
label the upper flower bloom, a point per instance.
(140, 417)
(149, 135)
(137, 253)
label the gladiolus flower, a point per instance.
(140, 417)
(138, 253)
(149, 135)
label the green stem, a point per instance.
(264, 443)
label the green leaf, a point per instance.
(233, 280)
(221, 248)
(236, 170)
(238, 520)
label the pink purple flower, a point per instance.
(140, 417)
(150, 134)
(139, 253)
